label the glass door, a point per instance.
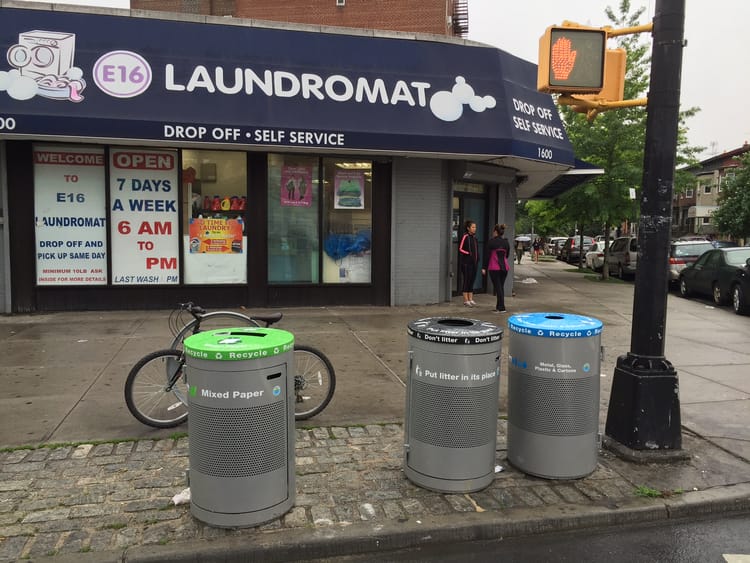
(469, 203)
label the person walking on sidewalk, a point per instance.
(468, 259)
(519, 250)
(537, 246)
(496, 264)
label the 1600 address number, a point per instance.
(7, 123)
(544, 153)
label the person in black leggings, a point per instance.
(468, 259)
(496, 264)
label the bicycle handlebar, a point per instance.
(198, 312)
(192, 308)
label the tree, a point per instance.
(615, 142)
(733, 214)
(538, 217)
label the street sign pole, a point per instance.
(644, 405)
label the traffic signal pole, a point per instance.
(644, 406)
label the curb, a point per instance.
(377, 540)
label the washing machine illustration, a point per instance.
(42, 53)
(47, 57)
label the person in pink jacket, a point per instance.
(496, 264)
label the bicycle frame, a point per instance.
(314, 372)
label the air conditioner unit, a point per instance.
(341, 2)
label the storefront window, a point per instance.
(214, 201)
(347, 221)
(70, 215)
(144, 229)
(293, 231)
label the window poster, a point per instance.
(70, 215)
(349, 189)
(215, 236)
(296, 186)
(144, 212)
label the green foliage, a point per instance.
(648, 492)
(541, 218)
(733, 214)
(614, 141)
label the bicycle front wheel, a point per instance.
(314, 381)
(212, 321)
(156, 389)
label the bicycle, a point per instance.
(158, 378)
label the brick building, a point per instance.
(440, 17)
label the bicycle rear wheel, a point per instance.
(314, 381)
(211, 321)
(147, 392)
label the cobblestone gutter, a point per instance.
(92, 498)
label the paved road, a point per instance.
(714, 540)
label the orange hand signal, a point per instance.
(563, 59)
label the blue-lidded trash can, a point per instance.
(553, 394)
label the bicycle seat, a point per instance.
(268, 319)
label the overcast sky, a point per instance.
(715, 74)
(715, 63)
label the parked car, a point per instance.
(724, 243)
(571, 249)
(682, 253)
(623, 257)
(595, 256)
(552, 245)
(558, 247)
(722, 274)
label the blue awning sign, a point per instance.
(92, 75)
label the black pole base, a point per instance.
(644, 406)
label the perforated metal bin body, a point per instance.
(241, 425)
(450, 432)
(553, 394)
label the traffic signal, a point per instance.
(571, 60)
(614, 78)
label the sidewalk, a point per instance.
(100, 488)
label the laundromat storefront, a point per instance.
(237, 164)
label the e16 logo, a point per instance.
(122, 74)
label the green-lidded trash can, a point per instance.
(241, 425)
(452, 395)
(553, 394)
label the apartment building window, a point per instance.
(689, 192)
(728, 177)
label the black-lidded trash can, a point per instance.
(241, 425)
(450, 434)
(553, 394)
